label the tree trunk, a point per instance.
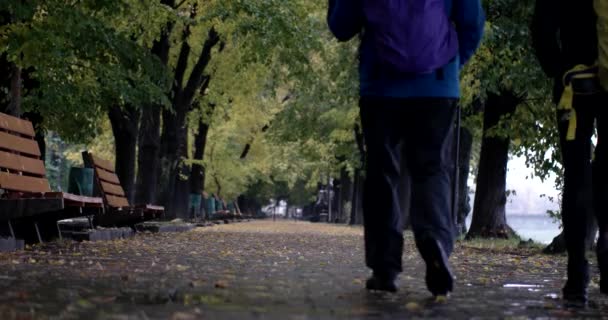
(5, 82)
(197, 177)
(175, 173)
(335, 201)
(356, 211)
(124, 123)
(36, 120)
(14, 105)
(464, 164)
(248, 206)
(173, 151)
(558, 245)
(345, 195)
(147, 158)
(489, 219)
(197, 174)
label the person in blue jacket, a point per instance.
(408, 117)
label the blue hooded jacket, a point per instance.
(346, 20)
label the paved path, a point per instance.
(269, 270)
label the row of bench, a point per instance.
(28, 207)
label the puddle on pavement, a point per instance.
(530, 287)
(522, 286)
(552, 296)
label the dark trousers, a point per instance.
(585, 172)
(419, 132)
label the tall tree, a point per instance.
(125, 123)
(489, 219)
(506, 78)
(174, 135)
(148, 162)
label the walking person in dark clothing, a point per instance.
(565, 41)
(410, 57)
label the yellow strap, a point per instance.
(581, 71)
(565, 102)
(571, 135)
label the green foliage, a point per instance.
(61, 156)
(270, 88)
(506, 62)
(279, 83)
(84, 57)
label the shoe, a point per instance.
(439, 277)
(602, 261)
(576, 286)
(381, 283)
(575, 292)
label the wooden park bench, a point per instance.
(108, 187)
(25, 194)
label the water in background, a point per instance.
(538, 227)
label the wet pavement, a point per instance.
(272, 270)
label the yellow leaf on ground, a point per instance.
(413, 307)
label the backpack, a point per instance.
(410, 36)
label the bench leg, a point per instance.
(90, 218)
(6, 230)
(38, 232)
(59, 231)
(10, 229)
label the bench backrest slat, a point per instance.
(21, 169)
(20, 163)
(16, 125)
(113, 189)
(108, 177)
(107, 181)
(116, 202)
(19, 144)
(20, 183)
(105, 164)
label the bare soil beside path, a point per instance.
(272, 270)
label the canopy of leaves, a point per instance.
(506, 62)
(84, 56)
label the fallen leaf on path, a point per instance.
(413, 307)
(183, 316)
(181, 268)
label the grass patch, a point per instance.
(515, 242)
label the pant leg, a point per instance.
(428, 144)
(576, 160)
(381, 206)
(600, 164)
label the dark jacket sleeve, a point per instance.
(544, 29)
(470, 19)
(345, 18)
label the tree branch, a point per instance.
(14, 106)
(197, 75)
(180, 4)
(204, 86)
(248, 145)
(184, 53)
